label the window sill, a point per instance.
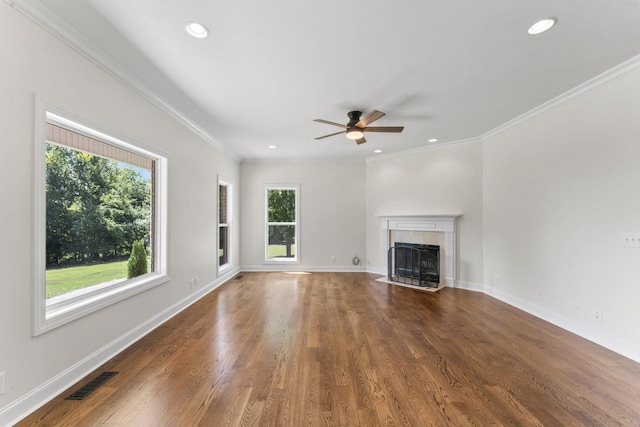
(281, 261)
(224, 268)
(59, 310)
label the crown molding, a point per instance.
(328, 161)
(601, 80)
(42, 16)
(440, 146)
(590, 85)
(53, 24)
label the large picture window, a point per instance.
(100, 228)
(282, 223)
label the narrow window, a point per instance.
(282, 223)
(100, 235)
(224, 228)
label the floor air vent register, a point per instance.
(91, 386)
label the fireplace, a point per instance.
(437, 230)
(414, 263)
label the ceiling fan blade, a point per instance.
(331, 134)
(361, 140)
(392, 129)
(326, 122)
(369, 118)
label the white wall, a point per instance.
(444, 181)
(332, 213)
(560, 190)
(544, 205)
(35, 62)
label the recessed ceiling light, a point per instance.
(273, 147)
(433, 140)
(377, 151)
(542, 25)
(196, 29)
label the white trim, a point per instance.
(624, 348)
(431, 147)
(470, 286)
(222, 269)
(460, 284)
(297, 268)
(431, 223)
(297, 161)
(590, 85)
(28, 403)
(296, 224)
(42, 16)
(377, 270)
(47, 316)
(53, 24)
(603, 79)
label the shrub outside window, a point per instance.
(100, 219)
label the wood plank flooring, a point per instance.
(339, 349)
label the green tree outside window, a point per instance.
(281, 219)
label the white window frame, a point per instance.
(228, 225)
(47, 316)
(296, 256)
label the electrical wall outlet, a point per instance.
(1, 383)
(539, 294)
(597, 315)
(333, 259)
(631, 240)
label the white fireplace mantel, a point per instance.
(435, 223)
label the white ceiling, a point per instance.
(451, 70)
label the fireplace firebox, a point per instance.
(414, 264)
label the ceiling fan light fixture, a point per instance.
(356, 127)
(196, 29)
(354, 133)
(542, 25)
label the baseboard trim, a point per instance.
(617, 346)
(449, 282)
(469, 286)
(300, 268)
(380, 271)
(30, 402)
(623, 348)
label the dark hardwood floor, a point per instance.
(277, 349)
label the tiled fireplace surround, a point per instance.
(427, 229)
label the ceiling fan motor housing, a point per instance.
(354, 116)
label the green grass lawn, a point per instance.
(67, 279)
(275, 251)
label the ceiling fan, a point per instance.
(356, 127)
